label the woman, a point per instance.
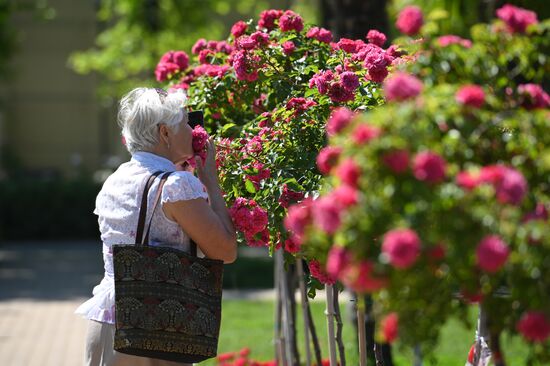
(154, 126)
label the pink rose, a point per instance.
(349, 80)
(376, 37)
(402, 86)
(517, 19)
(467, 180)
(260, 239)
(389, 327)
(199, 46)
(320, 34)
(429, 167)
(292, 246)
(328, 158)
(360, 278)
(298, 218)
(238, 29)
(534, 326)
(348, 45)
(345, 195)
(512, 188)
(364, 133)
(397, 160)
(533, 96)
(349, 172)
(338, 93)
(199, 140)
(402, 246)
(288, 47)
(540, 213)
(338, 259)
(268, 18)
(410, 20)
(291, 21)
(470, 95)
(338, 120)
(289, 196)
(450, 39)
(326, 215)
(491, 254)
(318, 273)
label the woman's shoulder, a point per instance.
(182, 185)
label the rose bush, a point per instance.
(267, 92)
(446, 202)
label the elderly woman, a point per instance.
(154, 125)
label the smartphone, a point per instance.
(196, 118)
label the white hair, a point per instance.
(143, 109)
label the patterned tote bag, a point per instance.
(167, 302)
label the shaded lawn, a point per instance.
(248, 323)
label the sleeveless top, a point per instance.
(117, 208)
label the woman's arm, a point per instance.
(210, 226)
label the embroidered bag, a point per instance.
(167, 301)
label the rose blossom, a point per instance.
(534, 326)
(268, 18)
(389, 327)
(260, 239)
(345, 195)
(199, 46)
(359, 277)
(338, 120)
(292, 246)
(540, 213)
(491, 254)
(349, 80)
(248, 217)
(376, 37)
(364, 133)
(199, 139)
(402, 86)
(467, 180)
(327, 158)
(533, 96)
(289, 196)
(470, 95)
(291, 21)
(397, 160)
(410, 20)
(402, 246)
(338, 93)
(338, 259)
(512, 188)
(429, 167)
(326, 215)
(517, 19)
(318, 273)
(349, 172)
(238, 29)
(288, 47)
(297, 218)
(450, 39)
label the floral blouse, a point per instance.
(117, 206)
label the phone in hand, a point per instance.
(196, 118)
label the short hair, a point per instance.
(143, 109)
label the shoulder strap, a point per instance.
(143, 207)
(163, 179)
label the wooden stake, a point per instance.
(339, 328)
(305, 305)
(330, 324)
(361, 330)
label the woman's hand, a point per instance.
(207, 171)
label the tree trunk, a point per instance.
(354, 18)
(305, 305)
(330, 324)
(339, 328)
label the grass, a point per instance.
(248, 323)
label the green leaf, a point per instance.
(250, 186)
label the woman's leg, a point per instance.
(99, 344)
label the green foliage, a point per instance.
(505, 130)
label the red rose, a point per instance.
(389, 327)
(429, 167)
(470, 95)
(410, 20)
(402, 246)
(491, 254)
(534, 326)
(401, 87)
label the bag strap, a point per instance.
(143, 207)
(163, 178)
